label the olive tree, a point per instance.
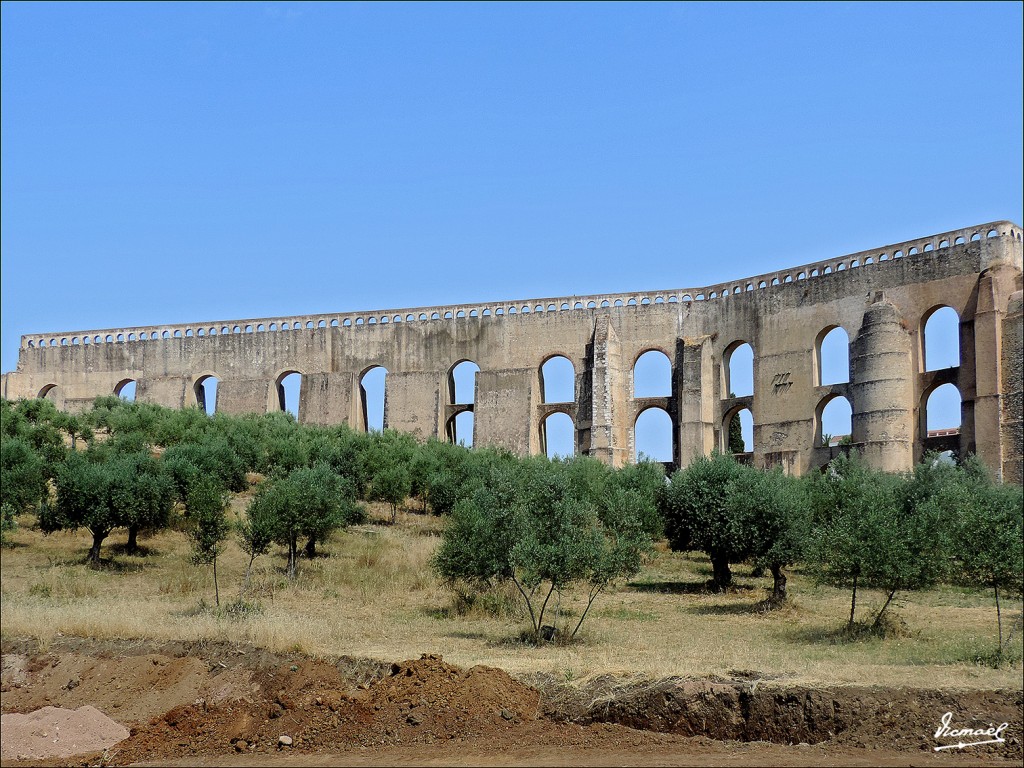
(866, 535)
(310, 502)
(698, 516)
(527, 524)
(207, 504)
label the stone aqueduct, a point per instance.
(882, 298)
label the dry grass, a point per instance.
(372, 593)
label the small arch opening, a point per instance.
(125, 390)
(738, 369)
(460, 429)
(205, 390)
(652, 375)
(943, 410)
(832, 356)
(738, 432)
(289, 391)
(941, 339)
(558, 380)
(652, 436)
(833, 421)
(558, 436)
(373, 392)
(462, 383)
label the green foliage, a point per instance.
(868, 532)
(310, 502)
(102, 489)
(736, 442)
(23, 483)
(697, 513)
(536, 524)
(207, 503)
(771, 508)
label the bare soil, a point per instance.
(224, 704)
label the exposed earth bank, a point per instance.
(212, 703)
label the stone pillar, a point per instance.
(983, 435)
(695, 383)
(882, 390)
(240, 396)
(324, 398)
(504, 415)
(413, 403)
(170, 392)
(1011, 417)
(609, 430)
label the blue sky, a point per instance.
(173, 162)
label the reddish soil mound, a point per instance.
(217, 702)
(420, 701)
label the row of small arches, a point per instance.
(591, 304)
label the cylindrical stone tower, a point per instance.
(882, 388)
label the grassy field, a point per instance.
(372, 593)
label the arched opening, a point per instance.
(462, 383)
(373, 390)
(50, 392)
(558, 436)
(289, 388)
(832, 356)
(652, 375)
(460, 429)
(125, 389)
(652, 436)
(941, 339)
(738, 431)
(833, 421)
(205, 390)
(558, 380)
(739, 370)
(942, 410)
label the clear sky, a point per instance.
(198, 161)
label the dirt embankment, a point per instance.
(205, 700)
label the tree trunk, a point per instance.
(94, 551)
(778, 583)
(878, 619)
(999, 620)
(133, 539)
(853, 603)
(216, 589)
(311, 547)
(293, 553)
(722, 576)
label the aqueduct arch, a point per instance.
(881, 297)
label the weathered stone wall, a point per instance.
(881, 298)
